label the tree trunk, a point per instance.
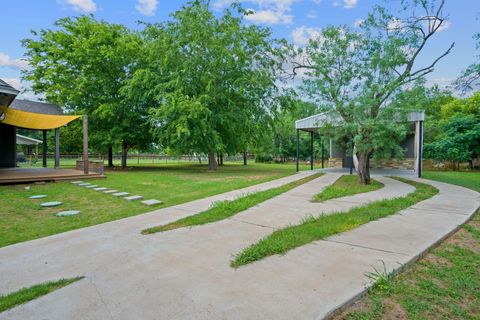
(212, 162)
(199, 157)
(221, 159)
(110, 157)
(363, 167)
(244, 158)
(124, 154)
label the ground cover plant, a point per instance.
(443, 284)
(316, 228)
(224, 209)
(23, 219)
(347, 185)
(23, 295)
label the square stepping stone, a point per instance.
(51, 204)
(110, 191)
(121, 194)
(151, 202)
(77, 182)
(133, 198)
(91, 186)
(84, 184)
(100, 189)
(39, 196)
(67, 213)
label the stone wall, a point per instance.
(405, 164)
(335, 163)
(93, 166)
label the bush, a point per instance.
(264, 158)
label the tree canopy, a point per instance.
(83, 65)
(354, 75)
(210, 80)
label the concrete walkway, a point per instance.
(185, 273)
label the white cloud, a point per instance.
(317, 1)
(269, 17)
(302, 34)
(267, 12)
(146, 7)
(87, 6)
(349, 4)
(14, 82)
(312, 14)
(441, 82)
(445, 25)
(396, 24)
(6, 61)
(24, 88)
(358, 22)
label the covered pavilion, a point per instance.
(413, 144)
(33, 115)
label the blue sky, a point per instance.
(295, 20)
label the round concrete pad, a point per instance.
(67, 213)
(51, 204)
(40, 196)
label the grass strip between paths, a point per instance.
(346, 185)
(224, 209)
(24, 295)
(317, 228)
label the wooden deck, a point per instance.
(26, 175)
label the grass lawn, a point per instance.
(27, 294)
(224, 209)
(23, 219)
(465, 179)
(347, 185)
(444, 284)
(316, 228)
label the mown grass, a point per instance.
(346, 185)
(23, 219)
(316, 228)
(443, 284)
(224, 209)
(465, 179)
(24, 295)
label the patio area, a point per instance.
(26, 175)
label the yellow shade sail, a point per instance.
(30, 120)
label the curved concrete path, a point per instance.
(184, 274)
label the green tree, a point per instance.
(470, 105)
(211, 80)
(431, 100)
(471, 75)
(460, 141)
(355, 75)
(284, 137)
(83, 65)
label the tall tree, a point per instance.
(84, 64)
(211, 79)
(459, 142)
(355, 74)
(470, 76)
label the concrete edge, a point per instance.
(343, 306)
(154, 211)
